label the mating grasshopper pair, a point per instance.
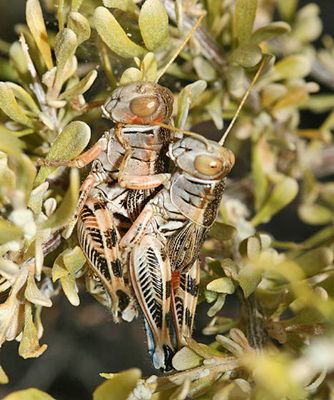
(140, 227)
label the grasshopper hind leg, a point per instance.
(99, 238)
(151, 280)
(184, 301)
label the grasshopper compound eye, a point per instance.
(208, 165)
(144, 106)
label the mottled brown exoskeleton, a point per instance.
(163, 244)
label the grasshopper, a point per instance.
(129, 168)
(164, 242)
(162, 246)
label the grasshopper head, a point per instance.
(141, 103)
(194, 157)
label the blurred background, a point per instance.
(84, 341)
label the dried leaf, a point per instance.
(153, 24)
(119, 386)
(114, 36)
(35, 22)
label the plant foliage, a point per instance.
(281, 344)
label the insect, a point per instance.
(163, 244)
(129, 167)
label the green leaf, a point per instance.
(76, 4)
(149, 67)
(29, 344)
(314, 261)
(119, 386)
(259, 177)
(67, 207)
(74, 259)
(186, 359)
(9, 106)
(204, 69)
(79, 25)
(294, 66)
(287, 9)
(24, 96)
(66, 44)
(315, 214)
(153, 24)
(3, 377)
(187, 95)
(130, 75)
(124, 5)
(9, 232)
(81, 87)
(270, 31)
(114, 36)
(250, 247)
(221, 285)
(68, 145)
(247, 55)
(29, 394)
(249, 279)
(35, 22)
(35, 295)
(70, 289)
(282, 194)
(245, 11)
(222, 231)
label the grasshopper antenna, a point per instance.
(264, 62)
(186, 40)
(188, 133)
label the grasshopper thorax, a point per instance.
(141, 103)
(202, 161)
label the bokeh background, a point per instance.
(84, 341)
